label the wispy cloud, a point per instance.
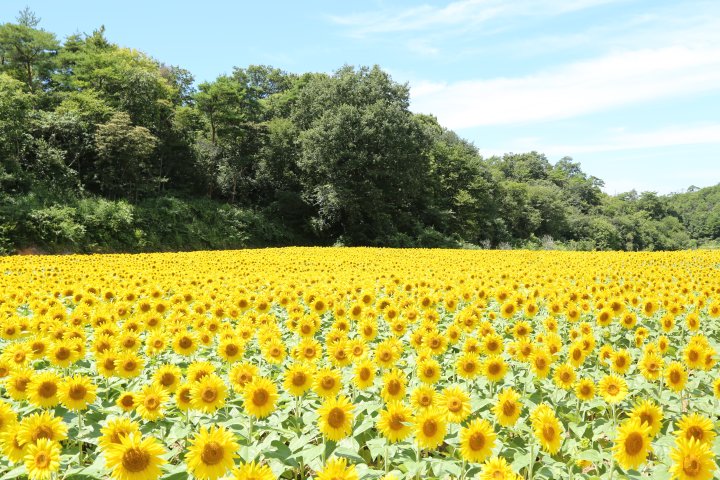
(460, 12)
(664, 137)
(571, 90)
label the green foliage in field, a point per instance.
(265, 157)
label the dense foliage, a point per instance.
(103, 148)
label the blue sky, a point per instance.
(629, 88)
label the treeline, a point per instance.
(103, 148)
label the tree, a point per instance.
(26, 52)
(125, 162)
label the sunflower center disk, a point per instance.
(336, 417)
(212, 453)
(634, 443)
(260, 397)
(135, 460)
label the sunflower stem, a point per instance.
(610, 452)
(79, 438)
(419, 457)
(387, 449)
(532, 458)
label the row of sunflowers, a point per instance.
(336, 363)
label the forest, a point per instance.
(104, 148)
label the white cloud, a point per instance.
(460, 12)
(665, 137)
(602, 83)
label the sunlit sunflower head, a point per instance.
(62, 354)
(547, 429)
(208, 394)
(298, 378)
(211, 453)
(129, 365)
(648, 413)
(196, 371)
(115, 429)
(337, 468)
(77, 392)
(335, 418)
(241, 374)
(692, 460)
(150, 402)
(394, 382)
(42, 459)
(11, 446)
(231, 350)
(135, 458)
(508, 408)
(126, 401)
(564, 376)
(43, 390)
(42, 425)
(540, 362)
(632, 444)
(696, 426)
(424, 397)
(651, 366)
(259, 397)
(429, 370)
(395, 421)
(168, 377)
(16, 384)
(364, 374)
(676, 376)
(183, 396)
(430, 428)
(477, 440)
(327, 382)
(185, 343)
(497, 468)
(468, 365)
(620, 361)
(253, 471)
(456, 402)
(494, 368)
(613, 389)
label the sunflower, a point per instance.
(126, 401)
(42, 425)
(8, 417)
(620, 361)
(150, 402)
(564, 376)
(211, 453)
(335, 418)
(613, 389)
(259, 397)
(364, 374)
(42, 459)
(43, 389)
(424, 397)
(385, 355)
(107, 363)
(327, 382)
(298, 379)
(394, 421)
(17, 383)
(494, 368)
(457, 403)
(468, 365)
(393, 385)
(548, 431)
(497, 468)
(696, 426)
(253, 471)
(508, 408)
(135, 458)
(651, 365)
(185, 343)
(129, 365)
(77, 392)
(62, 354)
(648, 413)
(242, 374)
(230, 350)
(477, 440)
(198, 370)
(12, 447)
(337, 469)
(114, 429)
(716, 388)
(540, 362)
(183, 396)
(429, 370)
(632, 444)
(692, 460)
(168, 377)
(676, 376)
(430, 428)
(208, 394)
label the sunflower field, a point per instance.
(355, 363)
